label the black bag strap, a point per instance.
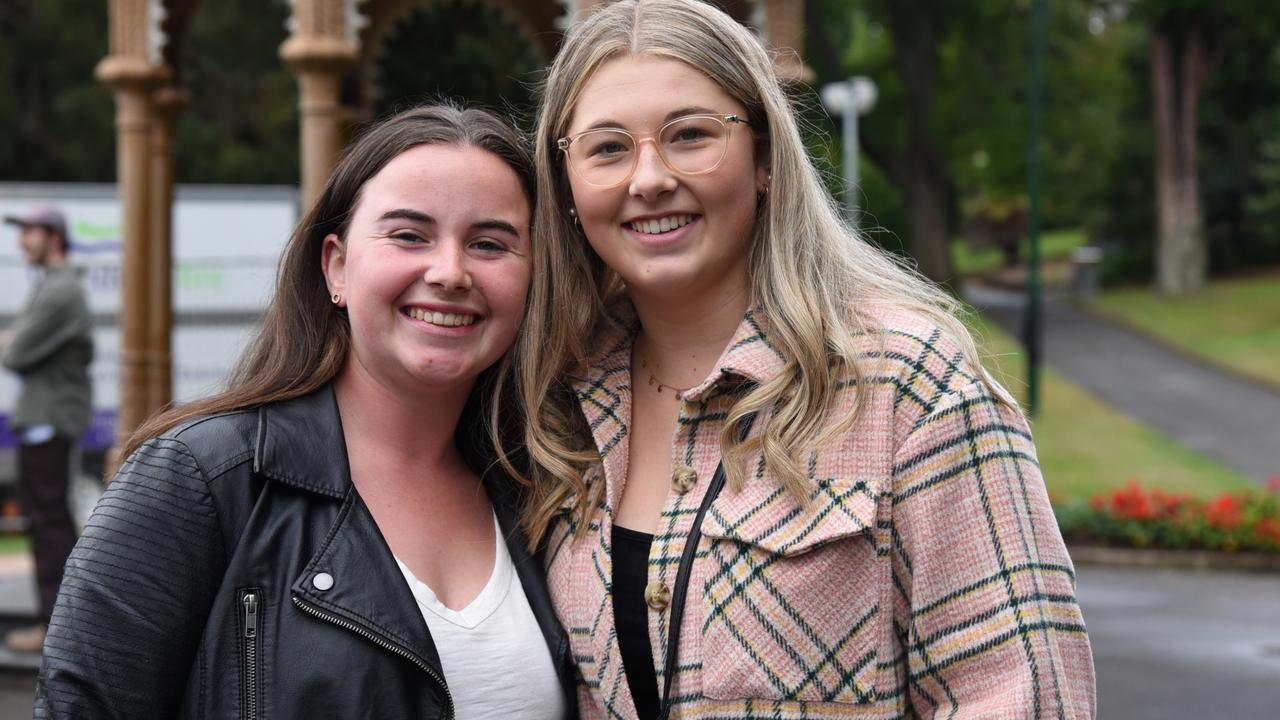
(685, 569)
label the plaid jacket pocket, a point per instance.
(792, 597)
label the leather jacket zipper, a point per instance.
(250, 602)
(385, 645)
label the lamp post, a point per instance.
(849, 99)
(1033, 336)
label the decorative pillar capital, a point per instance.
(137, 39)
(324, 35)
(123, 73)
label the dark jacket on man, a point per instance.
(50, 349)
(193, 591)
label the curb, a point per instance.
(1174, 559)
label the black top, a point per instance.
(631, 617)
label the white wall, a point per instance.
(226, 242)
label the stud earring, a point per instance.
(573, 213)
(336, 298)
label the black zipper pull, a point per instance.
(251, 615)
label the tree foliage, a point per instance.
(468, 51)
(241, 121)
(977, 112)
(1237, 121)
(56, 121)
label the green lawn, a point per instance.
(1086, 448)
(10, 544)
(1235, 323)
(1054, 245)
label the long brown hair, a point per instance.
(303, 340)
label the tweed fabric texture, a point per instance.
(926, 578)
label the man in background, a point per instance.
(49, 347)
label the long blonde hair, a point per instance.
(813, 277)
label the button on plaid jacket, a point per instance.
(927, 578)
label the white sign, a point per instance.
(227, 241)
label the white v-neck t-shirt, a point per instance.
(495, 659)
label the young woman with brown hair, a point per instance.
(329, 537)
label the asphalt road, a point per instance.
(16, 692)
(1222, 416)
(1183, 644)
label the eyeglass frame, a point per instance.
(729, 120)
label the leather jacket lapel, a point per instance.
(354, 578)
(300, 443)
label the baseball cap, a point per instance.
(45, 216)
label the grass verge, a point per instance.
(11, 544)
(1086, 448)
(1054, 245)
(1232, 323)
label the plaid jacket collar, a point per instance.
(604, 389)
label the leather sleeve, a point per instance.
(136, 593)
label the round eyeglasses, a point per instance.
(690, 145)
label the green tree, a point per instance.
(470, 51)
(1187, 43)
(950, 128)
(1223, 96)
(56, 121)
(242, 122)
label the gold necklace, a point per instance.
(653, 380)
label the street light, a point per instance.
(1033, 337)
(849, 99)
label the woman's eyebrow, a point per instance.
(610, 123)
(692, 110)
(607, 123)
(495, 224)
(407, 214)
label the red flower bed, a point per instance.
(1135, 516)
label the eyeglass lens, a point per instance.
(692, 145)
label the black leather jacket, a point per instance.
(232, 571)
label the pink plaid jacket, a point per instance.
(927, 578)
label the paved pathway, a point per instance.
(1232, 420)
(1183, 644)
(18, 607)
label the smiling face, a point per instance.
(666, 233)
(434, 269)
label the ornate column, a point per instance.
(323, 45)
(784, 32)
(132, 69)
(168, 102)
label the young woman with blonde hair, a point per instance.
(768, 471)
